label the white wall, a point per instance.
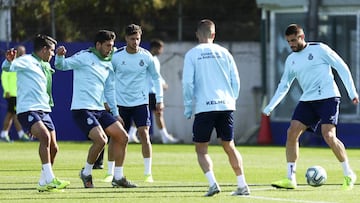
(247, 57)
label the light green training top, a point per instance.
(8, 82)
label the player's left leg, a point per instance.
(166, 138)
(224, 125)
(338, 148)
(236, 163)
(146, 149)
(202, 129)
(206, 165)
(141, 117)
(329, 112)
(42, 127)
(117, 151)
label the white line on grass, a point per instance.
(281, 199)
(278, 199)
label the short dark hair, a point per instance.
(205, 28)
(41, 41)
(156, 43)
(293, 29)
(104, 35)
(133, 29)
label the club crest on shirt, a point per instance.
(123, 63)
(141, 63)
(30, 118)
(90, 121)
(333, 118)
(310, 57)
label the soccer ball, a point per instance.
(316, 176)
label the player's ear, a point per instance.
(302, 36)
(97, 45)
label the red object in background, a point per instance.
(264, 137)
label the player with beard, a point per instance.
(311, 64)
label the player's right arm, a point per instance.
(234, 76)
(62, 63)
(284, 86)
(188, 85)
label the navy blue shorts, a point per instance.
(152, 107)
(11, 106)
(27, 119)
(88, 119)
(152, 101)
(205, 122)
(139, 114)
(313, 113)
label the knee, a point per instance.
(143, 131)
(329, 138)
(120, 137)
(159, 114)
(101, 142)
(292, 135)
(123, 138)
(44, 139)
(144, 134)
(229, 147)
(201, 149)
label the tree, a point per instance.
(77, 20)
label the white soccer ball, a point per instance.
(316, 176)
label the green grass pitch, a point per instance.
(177, 176)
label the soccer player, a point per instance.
(8, 82)
(93, 82)
(211, 82)
(156, 48)
(34, 102)
(133, 65)
(311, 64)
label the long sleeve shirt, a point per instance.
(210, 79)
(93, 81)
(132, 73)
(151, 83)
(312, 67)
(8, 82)
(31, 84)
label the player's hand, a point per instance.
(188, 112)
(266, 111)
(10, 54)
(159, 107)
(7, 95)
(120, 120)
(165, 86)
(61, 51)
(355, 100)
(107, 107)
